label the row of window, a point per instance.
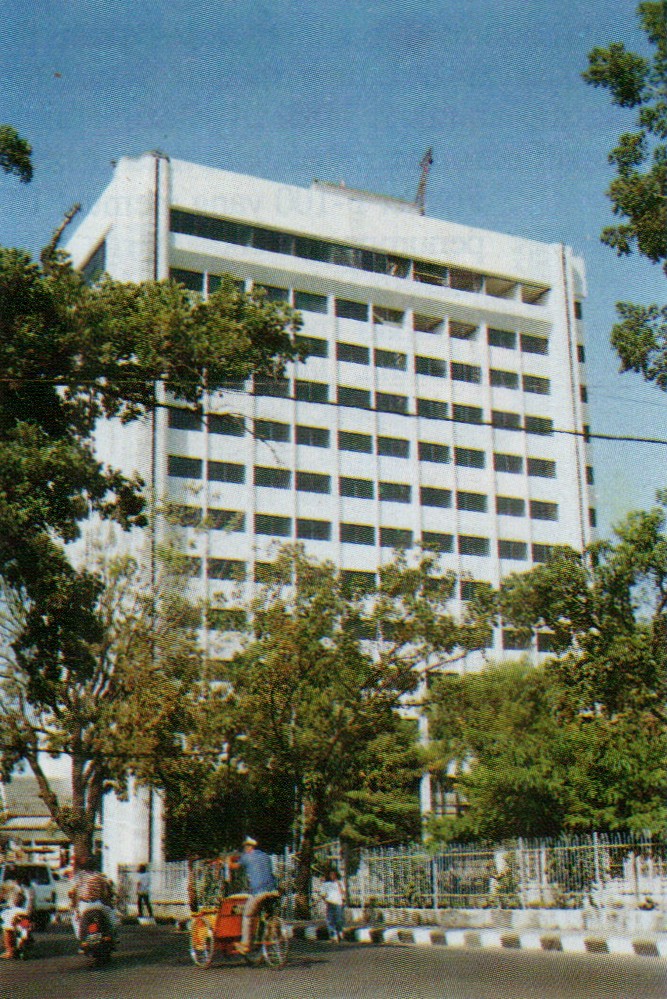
(305, 247)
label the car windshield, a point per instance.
(34, 873)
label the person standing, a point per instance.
(144, 891)
(333, 893)
(262, 883)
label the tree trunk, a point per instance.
(305, 858)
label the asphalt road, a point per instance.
(153, 963)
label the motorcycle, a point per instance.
(96, 935)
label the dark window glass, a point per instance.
(393, 447)
(581, 353)
(351, 310)
(313, 530)
(430, 451)
(432, 409)
(208, 227)
(184, 468)
(390, 317)
(353, 353)
(583, 393)
(470, 545)
(462, 331)
(313, 346)
(427, 324)
(431, 366)
(441, 542)
(430, 496)
(465, 372)
(270, 430)
(396, 492)
(311, 391)
(226, 471)
(542, 553)
(357, 534)
(185, 516)
(467, 414)
(517, 550)
(225, 520)
(312, 436)
(542, 467)
(504, 379)
(184, 419)
(354, 397)
(356, 488)
(275, 478)
(539, 425)
(312, 249)
(469, 588)
(387, 402)
(469, 457)
(193, 280)
(390, 359)
(430, 273)
(578, 310)
(395, 537)
(349, 441)
(512, 463)
(592, 517)
(510, 506)
(464, 280)
(357, 581)
(268, 523)
(226, 568)
(305, 301)
(96, 264)
(539, 386)
(590, 475)
(515, 641)
(534, 344)
(272, 294)
(313, 482)
(541, 510)
(505, 421)
(475, 502)
(214, 282)
(267, 572)
(501, 338)
(278, 387)
(225, 423)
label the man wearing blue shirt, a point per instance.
(262, 885)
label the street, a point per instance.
(153, 963)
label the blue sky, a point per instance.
(342, 89)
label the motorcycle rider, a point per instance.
(19, 900)
(92, 890)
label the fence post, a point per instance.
(522, 877)
(596, 860)
(434, 881)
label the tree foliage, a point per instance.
(15, 154)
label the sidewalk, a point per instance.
(654, 945)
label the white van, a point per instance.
(43, 882)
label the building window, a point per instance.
(430, 496)
(512, 463)
(393, 447)
(437, 453)
(353, 353)
(274, 478)
(226, 471)
(534, 344)
(313, 482)
(356, 488)
(439, 542)
(357, 534)
(275, 387)
(192, 280)
(469, 458)
(590, 475)
(226, 568)
(469, 588)
(389, 317)
(504, 379)
(305, 301)
(311, 391)
(502, 420)
(184, 419)
(184, 468)
(269, 523)
(387, 402)
(583, 393)
(470, 545)
(581, 353)
(578, 310)
(428, 272)
(516, 550)
(467, 414)
(358, 581)
(272, 294)
(539, 425)
(539, 386)
(395, 492)
(592, 517)
(390, 359)
(474, 502)
(354, 397)
(312, 345)
(225, 520)
(395, 537)
(226, 619)
(214, 283)
(542, 467)
(96, 264)
(351, 310)
(270, 430)
(349, 441)
(225, 423)
(515, 641)
(313, 530)
(542, 553)
(510, 506)
(430, 366)
(432, 409)
(462, 331)
(501, 338)
(541, 510)
(465, 372)
(465, 280)
(427, 324)
(312, 436)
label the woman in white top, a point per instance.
(333, 893)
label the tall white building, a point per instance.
(443, 401)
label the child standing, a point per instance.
(333, 893)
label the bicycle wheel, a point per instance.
(202, 943)
(275, 942)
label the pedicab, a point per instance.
(217, 900)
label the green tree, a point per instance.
(15, 154)
(639, 190)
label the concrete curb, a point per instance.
(436, 936)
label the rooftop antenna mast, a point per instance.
(426, 164)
